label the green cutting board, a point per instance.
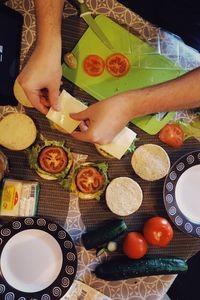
(147, 67)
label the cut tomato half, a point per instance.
(117, 64)
(94, 65)
(172, 135)
(53, 159)
(89, 180)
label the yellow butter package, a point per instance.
(10, 197)
(19, 198)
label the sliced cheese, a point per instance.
(120, 143)
(20, 95)
(68, 105)
(17, 131)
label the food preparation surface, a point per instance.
(76, 215)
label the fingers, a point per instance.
(81, 116)
(35, 100)
(83, 126)
(53, 98)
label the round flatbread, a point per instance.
(45, 176)
(150, 162)
(20, 95)
(123, 196)
(17, 131)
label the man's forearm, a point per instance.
(48, 18)
(180, 93)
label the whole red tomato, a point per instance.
(158, 231)
(134, 245)
(172, 135)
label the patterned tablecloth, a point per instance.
(75, 216)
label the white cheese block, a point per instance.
(120, 143)
(68, 105)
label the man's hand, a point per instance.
(102, 121)
(41, 79)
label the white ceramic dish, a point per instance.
(38, 258)
(181, 193)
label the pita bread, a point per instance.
(150, 162)
(17, 131)
(20, 95)
(123, 196)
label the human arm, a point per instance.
(106, 118)
(43, 70)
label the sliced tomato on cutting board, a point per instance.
(117, 64)
(53, 159)
(93, 65)
(89, 180)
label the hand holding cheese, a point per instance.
(119, 145)
(104, 120)
(68, 104)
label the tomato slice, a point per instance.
(94, 65)
(117, 64)
(53, 159)
(172, 135)
(89, 180)
(158, 231)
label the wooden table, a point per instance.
(77, 215)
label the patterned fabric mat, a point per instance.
(77, 215)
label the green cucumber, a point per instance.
(104, 234)
(124, 268)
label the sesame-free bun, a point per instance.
(20, 95)
(46, 176)
(150, 162)
(123, 196)
(103, 153)
(17, 131)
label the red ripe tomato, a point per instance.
(134, 245)
(158, 231)
(172, 135)
(89, 180)
(117, 64)
(94, 65)
(53, 159)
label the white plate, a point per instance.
(181, 193)
(37, 258)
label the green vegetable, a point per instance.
(104, 234)
(191, 130)
(124, 268)
(33, 154)
(100, 251)
(132, 147)
(70, 183)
